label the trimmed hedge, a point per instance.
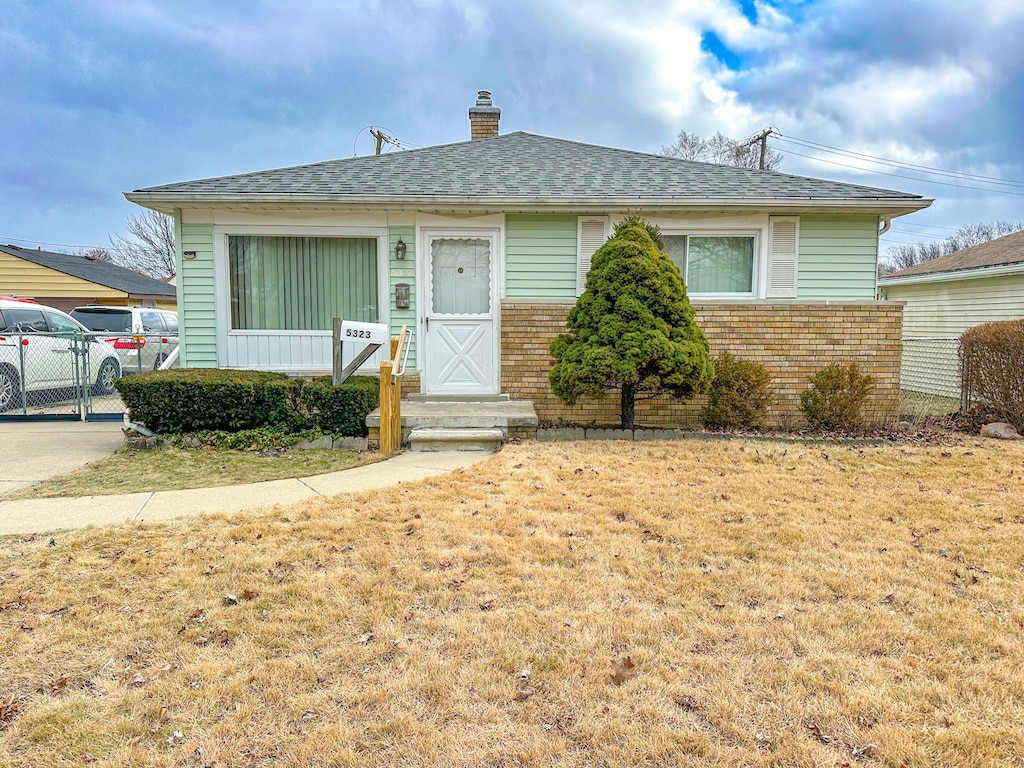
(992, 367)
(198, 399)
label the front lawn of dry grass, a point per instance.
(173, 469)
(698, 603)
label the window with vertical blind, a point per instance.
(715, 264)
(301, 283)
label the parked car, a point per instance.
(37, 352)
(145, 336)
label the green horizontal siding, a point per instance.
(540, 256)
(197, 312)
(838, 257)
(400, 317)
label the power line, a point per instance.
(919, 234)
(900, 175)
(899, 163)
(112, 249)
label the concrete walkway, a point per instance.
(32, 451)
(70, 445)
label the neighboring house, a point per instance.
(944, 297)
(66, 281)
(493, 237)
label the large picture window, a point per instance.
(714, 264)
(301, 283)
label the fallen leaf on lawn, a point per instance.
(10, 708)
(524, 693)
(864, 750)
(54, 688)
(248, 594)
(198, 616)
(137, 682)
(487, 605)
(366, 638)
(230, 599)
(221, 637)
(817, 733)
(623, 670)
(685, 701)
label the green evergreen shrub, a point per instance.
(836, 396)
(739, 396)
(335, 410)
(210, 399)
(992, 368)
(632, 330)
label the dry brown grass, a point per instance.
(789, 605)
(173, 469)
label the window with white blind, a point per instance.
(301, 283)
(716, 264)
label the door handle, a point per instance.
(60, 351)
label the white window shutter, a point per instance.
(591, 235)
(783, 246)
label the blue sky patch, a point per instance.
(713, 44)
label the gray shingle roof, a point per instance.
(1008, 249)
(99, 272)
(522, 167)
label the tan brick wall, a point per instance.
(483, 126)
(792, 339)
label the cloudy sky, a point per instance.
(104, 96)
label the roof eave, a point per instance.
(168, 201)
(974, 273)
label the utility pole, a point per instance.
(381, 138)
(762, 136)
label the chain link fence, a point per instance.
(930, 377)
(71, 375)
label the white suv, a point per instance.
(37, 352)
(143, 336)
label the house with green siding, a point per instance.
(480, 247)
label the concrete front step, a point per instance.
(427, 439)
(515, 418)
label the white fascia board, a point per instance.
(999, 270)
(894, 206)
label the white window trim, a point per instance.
(757, 277)
(221, 232)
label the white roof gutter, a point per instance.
(882, 206)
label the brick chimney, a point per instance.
(483, 117)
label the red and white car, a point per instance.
(38, 348)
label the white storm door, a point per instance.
(460, 328)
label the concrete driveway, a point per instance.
(31, 451)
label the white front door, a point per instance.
(460, 318)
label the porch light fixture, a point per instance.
(400, 250)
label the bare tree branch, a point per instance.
(900, 257)
(149, 246)
(722, 150)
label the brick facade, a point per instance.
(792, 339)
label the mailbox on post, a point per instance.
(372, 335)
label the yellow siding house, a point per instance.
(66, 281)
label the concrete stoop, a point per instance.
(461, 423)
(427, 439)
